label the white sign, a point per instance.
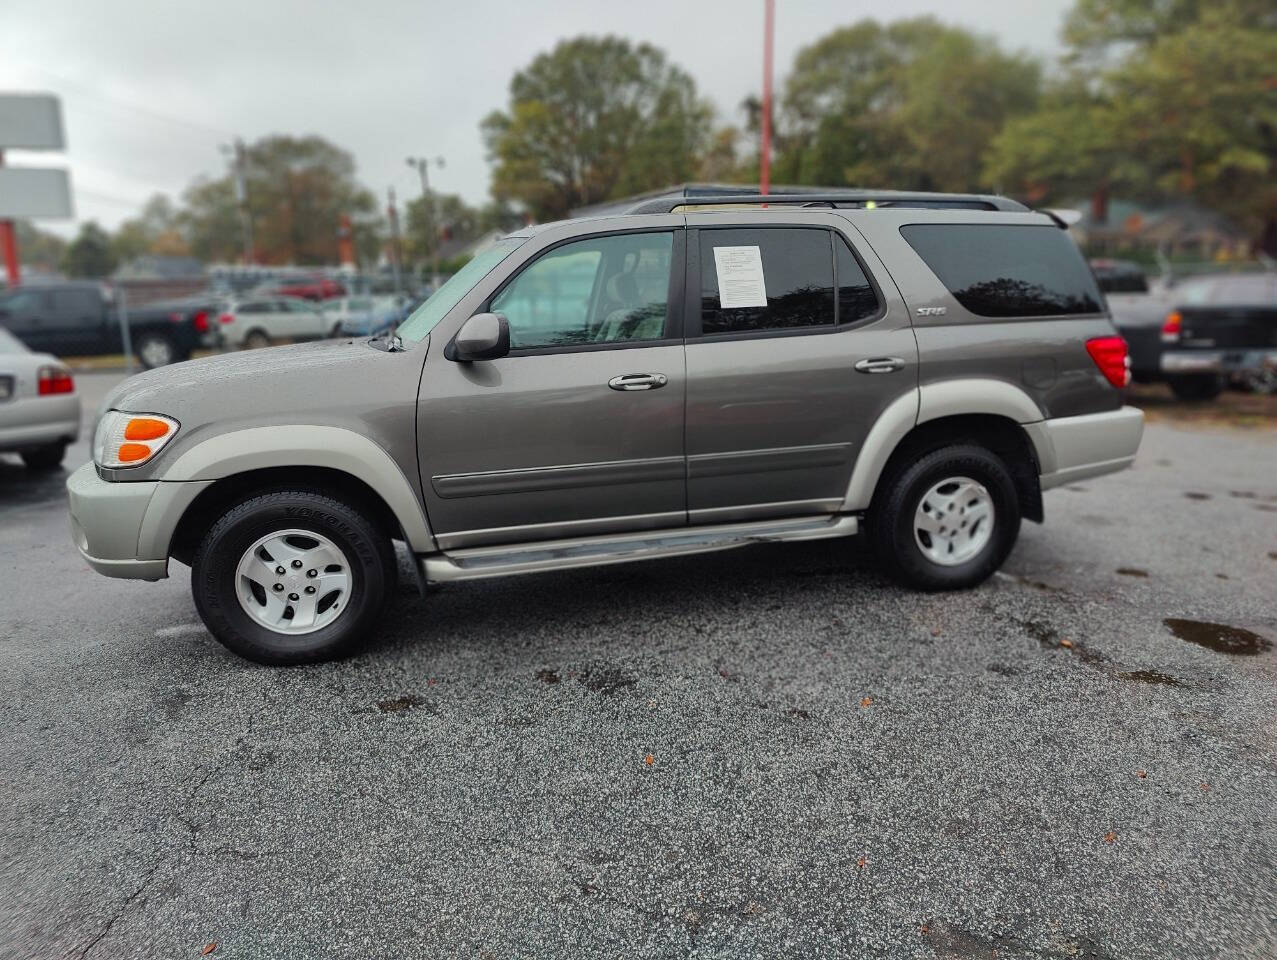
(30, 121)
(740, 277)
(34, 192)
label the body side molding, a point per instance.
(309, 445)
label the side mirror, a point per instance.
(485, 336)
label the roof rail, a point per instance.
(846, 199)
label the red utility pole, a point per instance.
(765, 171)
(9, 244)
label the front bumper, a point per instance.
(1075, 448)
(1218, 361)
(124, 529)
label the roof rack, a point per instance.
(845, 199)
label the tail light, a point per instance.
(51, 380)
(1172, 327)
(1109, 354)
(226, 318)
(200, 321)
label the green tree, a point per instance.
(155, 230)
(911, 105)
(595, 118)
(90, 253)
(38, 248)
(297, 189)
(1187, 111)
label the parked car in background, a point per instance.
(39, 405)
(383, 313)
(1119, 276)
(341, 311)
(261, 322)
(1204, 333)
(82, 319)
(310, 288)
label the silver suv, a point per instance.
(916, 367)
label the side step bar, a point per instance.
(478, 562)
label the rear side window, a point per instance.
(856, 298)
(1007, 270)
(76, 303)
(797, 287)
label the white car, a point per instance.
(39, 405)
(341, 311)
(261, 321)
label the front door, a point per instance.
(580, 429)
(799, 344)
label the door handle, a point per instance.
(880, 365)
(638, 381)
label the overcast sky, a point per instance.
(151, 88)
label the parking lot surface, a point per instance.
(768, 752)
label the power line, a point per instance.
(128, 105)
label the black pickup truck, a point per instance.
(1203, 334)
(80, 319)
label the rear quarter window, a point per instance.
(1007, 270)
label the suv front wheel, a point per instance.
(292, 576)
(946, 520)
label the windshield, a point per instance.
(424, 318)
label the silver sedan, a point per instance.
(39, 405)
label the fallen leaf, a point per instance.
(935, 632)
(1141, 774)
(861, 863)
(208, 948)
(1205, 786)
(867, 702)
(649, 759)
(1066, 644)
(925, 928)
(1110, 837)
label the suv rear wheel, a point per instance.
(946, 520)
(156, 350)
(1196, 386)
(292, 576)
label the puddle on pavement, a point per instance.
(1132, 572)
(1194, 495)
(1219, 637)
(1152, 676)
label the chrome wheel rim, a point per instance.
(156, 353)
(953, 521)
(293, 582)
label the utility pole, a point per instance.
(765, 158)
(9, 245)
(393, 215)
(422, 166)
(239, 168)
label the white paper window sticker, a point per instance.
(740, 277)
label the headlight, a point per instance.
(130, 439)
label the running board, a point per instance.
(479, 562)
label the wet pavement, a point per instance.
(769, 752)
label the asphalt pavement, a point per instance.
(771, 752)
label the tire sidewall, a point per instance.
(972, 462)
(214, 571)
(156, 338)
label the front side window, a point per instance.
(755, 280)
(599, 290)
(1007, 270)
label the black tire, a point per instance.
(890, 520)
(256, 339)
(1196, 387)
(45, 458)
(213, 575)
(156, 350)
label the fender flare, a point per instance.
(306, 445)
(931, 401)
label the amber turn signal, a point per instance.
(145, 428)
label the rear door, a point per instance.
(78, 320)
(797, 340)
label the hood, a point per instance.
(345, 383)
